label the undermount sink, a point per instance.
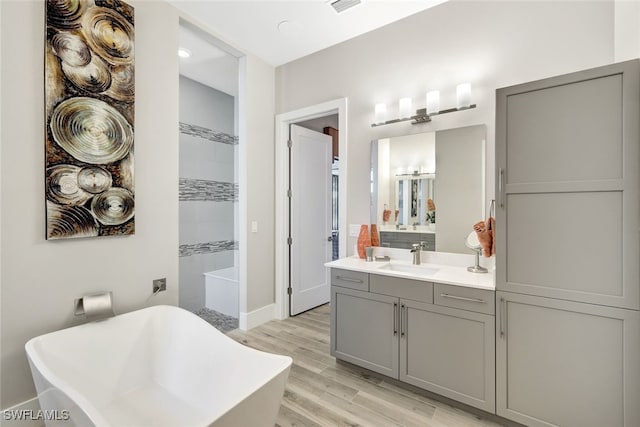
(415, 270)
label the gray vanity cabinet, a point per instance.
(396, 329)
(364, 329)
(448, 351)
(565, 363)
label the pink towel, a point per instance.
(486, 235)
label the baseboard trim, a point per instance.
(22, 414)
(257, 317)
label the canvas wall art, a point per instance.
(89, 108)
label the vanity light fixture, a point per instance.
(184, 53)
(423, 115)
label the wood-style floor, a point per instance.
(323, 392)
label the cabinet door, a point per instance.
(569, 364)
(364, 329)
(567, 151)
(448, 351)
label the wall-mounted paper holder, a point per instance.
(95, 306)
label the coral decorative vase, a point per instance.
(364, 240)
(375, 237)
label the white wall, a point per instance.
(413, 150)
(257, 163)
(490, 44)
(40, 279)
(38, 287)
(627, 29)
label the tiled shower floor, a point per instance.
(220, 321)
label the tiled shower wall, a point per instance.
(208, 193)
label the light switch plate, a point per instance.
(254, 226)
(354, 230)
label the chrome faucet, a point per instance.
(417, 247)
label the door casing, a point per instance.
(283, 121)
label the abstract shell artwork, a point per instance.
(89, 116)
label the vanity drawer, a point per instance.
(416, 290)
(471, 299)
(350, 279)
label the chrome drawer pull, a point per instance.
(503, 319)
(348, 279)
(463, 298)
(501, 190)
(395, 318)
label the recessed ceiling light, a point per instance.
(288, 28)
(184, 53)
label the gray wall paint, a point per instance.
(490, 44)
(207, 218)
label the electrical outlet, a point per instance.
(159, 285)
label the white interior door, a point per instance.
(310, 219)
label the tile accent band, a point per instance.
(208, 247)
(208, 134)
(204, 190)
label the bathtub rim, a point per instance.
(93, 412)
(215, 275)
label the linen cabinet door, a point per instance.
(567, 186)
(564, 363)
(364, 329)
(448, 351)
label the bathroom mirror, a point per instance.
(429, 187)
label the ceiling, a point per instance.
(306, 26)
(208, 64)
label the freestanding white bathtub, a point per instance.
(222, 291)
(159, 366)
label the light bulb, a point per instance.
(433, 102)
(381, 113)
(463, 94)
(405, 108)
(184, 53)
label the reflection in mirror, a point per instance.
(428, 187)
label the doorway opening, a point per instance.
(330, 115)
(330, 125)
(208, 178)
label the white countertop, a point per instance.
(446, 273)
